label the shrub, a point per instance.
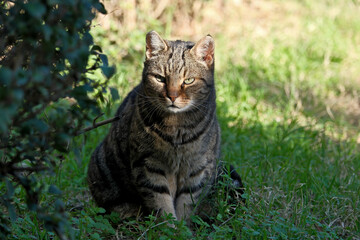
(47, 92)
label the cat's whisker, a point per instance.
(199, 107)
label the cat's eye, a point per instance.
(159, 78)
(189, 80)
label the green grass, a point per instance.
(289, 113)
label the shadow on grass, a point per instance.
(295, 171)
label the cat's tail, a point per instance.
(227, 181)
(237, 184)
(233, 182)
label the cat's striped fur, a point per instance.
(162, 153)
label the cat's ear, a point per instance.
(154, 44)
(203, 50)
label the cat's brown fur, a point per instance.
(162, 153)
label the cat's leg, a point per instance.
(154, 189)
(184, 205)
(161, 202)
(188, 196)
(194, 186)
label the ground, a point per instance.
(287, 79)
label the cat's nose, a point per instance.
(173, 98)
(172, 95)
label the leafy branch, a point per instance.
(44, 57)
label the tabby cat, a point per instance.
(161, 155)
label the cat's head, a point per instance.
(178, 76)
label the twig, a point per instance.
(7, 146)
(96, 118)
(95, 124)
(227, 220)
(152, 228)
(30, 169)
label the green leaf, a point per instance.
(10, 188)
(100, 7)
(54, 190)
(5, 75)
(96, 48)
(88, 39)
(95, 236)
(7, 113)
(114, 93)
(36, 9)
(5, 230)
(37, 124)
(59, 205)
(104, 59)
(108, 71)
(101, 210)
(17, 94)
(21, 77)
(54, 2)
(47, 31)
(11, 210)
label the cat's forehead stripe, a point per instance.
(176, 62)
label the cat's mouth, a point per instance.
(177, 107)
(173, 108)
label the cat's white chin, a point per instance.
(176, 109)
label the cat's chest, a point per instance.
(178, 175)
(180, 157)
(171, 135)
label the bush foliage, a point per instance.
(47, 92)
